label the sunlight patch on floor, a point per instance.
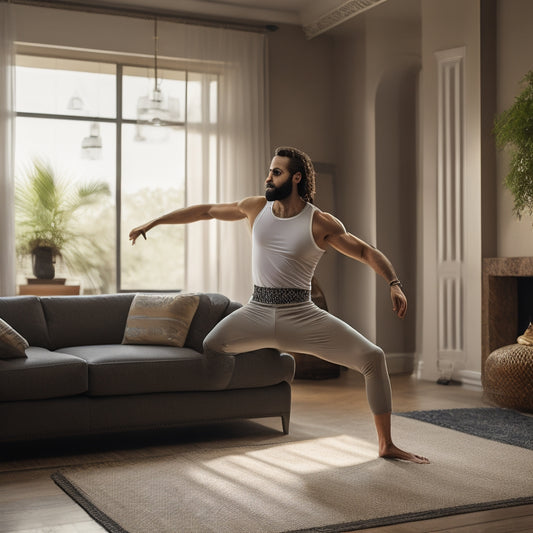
(304, 457)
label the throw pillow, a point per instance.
(160, 319)
(12, 343)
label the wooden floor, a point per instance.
(31, 503)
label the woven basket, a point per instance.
(508, 377)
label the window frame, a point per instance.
(121, 61)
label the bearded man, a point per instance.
(289, 236)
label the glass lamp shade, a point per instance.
(153, 108)
(155, 113)
(91, 146)
(75, 103)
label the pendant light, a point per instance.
(153, 109)
(91, 146)
(75, 103)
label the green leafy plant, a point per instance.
(514, 129)
(47, 214)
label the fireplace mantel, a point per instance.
(500, 301)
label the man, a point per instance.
(289, 236)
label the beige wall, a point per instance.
(514, 59)
(301, 82)
(377, 60)
(363, 58)
(332, 96)
(355, 191)
(300, 86)
(76, 30)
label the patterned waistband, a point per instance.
(267, 295)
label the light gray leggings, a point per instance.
(304, 328)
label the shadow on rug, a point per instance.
(493, 423)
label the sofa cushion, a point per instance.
(161, 319)
(12, 343)
(140, 369)
(41, 375)
(25, 315)
(211, 309)
(232, 306)
(261, 368)
(83, 320)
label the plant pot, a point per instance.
(43, 263)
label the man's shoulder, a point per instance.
(252, 206)
(323, 217)
(252, 202)
(327, 222)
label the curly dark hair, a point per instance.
(300, 162)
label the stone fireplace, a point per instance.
(507, 301)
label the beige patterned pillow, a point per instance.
(12, 343)
(160, 319)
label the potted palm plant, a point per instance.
(47, 226)
(514, 129)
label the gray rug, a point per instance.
(327, 484)
(502, 425)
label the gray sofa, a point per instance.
(78, 379)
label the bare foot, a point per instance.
(392, 452)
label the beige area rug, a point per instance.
(329, 483)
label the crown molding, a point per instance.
(338, 15)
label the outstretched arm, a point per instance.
(247, 208)
(336, 236)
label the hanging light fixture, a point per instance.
(91, 146)
(156, 109)
(75, 103)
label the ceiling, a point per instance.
(315, 16)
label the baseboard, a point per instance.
(471, 379)
(400, 363)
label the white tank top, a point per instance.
(284, 251)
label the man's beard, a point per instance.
(279, 193)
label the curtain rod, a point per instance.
(133, 12)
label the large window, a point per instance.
(90, 124)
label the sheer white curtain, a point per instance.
(219, 253)
(7, 124)
(244, 156)
(227, 146)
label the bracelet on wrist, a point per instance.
(396, 282)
